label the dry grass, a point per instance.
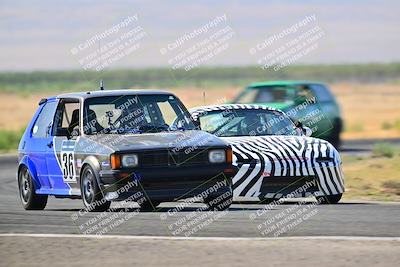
(372, 178)
(17, 110)
(365, 107)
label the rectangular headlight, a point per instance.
(217, 156)
(130, 160)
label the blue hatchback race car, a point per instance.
(103, 146)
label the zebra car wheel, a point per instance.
(30, 200)
(91, 194)
(331, 199)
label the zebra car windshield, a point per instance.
(227, 123)
(134, 114)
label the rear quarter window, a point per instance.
(41, 126)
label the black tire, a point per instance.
(91, 195)
(149, 205)
(331, 199)
(334, 138)
(30, 200)
(220, 202)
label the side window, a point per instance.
(248, 96)
(265, 96)
(67, 118)
(322, 93)
(41, 128)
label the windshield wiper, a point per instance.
(153, 128)
(124, 131)
(178, 128)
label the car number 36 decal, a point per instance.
(68, 161)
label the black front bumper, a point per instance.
(168, 183)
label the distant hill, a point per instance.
(201, 77)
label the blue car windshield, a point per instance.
(134, 114)
(228, 123)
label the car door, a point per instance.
(40, 140)
(329, 108)
(61, 163)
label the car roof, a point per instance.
(100, 93)
(196, 111)
(281, 83)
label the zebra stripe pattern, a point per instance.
(275, 156)
(261, 157)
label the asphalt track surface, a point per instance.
(242, 220)
(350, 233)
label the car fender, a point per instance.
(93, 162)
(26, 161)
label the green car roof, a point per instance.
(281, 83)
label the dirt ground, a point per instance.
(369, 111)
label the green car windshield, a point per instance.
(230, 122)
(274, 94)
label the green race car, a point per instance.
(309, 103)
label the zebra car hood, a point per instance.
(283, 149)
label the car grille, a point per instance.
(168, 158)
(287, 184)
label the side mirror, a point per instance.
(307, 131)
(304, 129)
(64, 132)
(196, 123)
(75, 133)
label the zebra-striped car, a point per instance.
(275, 159)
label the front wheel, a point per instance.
(331, 199)
(334, 137)
(91, 194)
(220, 202)
(30, 200)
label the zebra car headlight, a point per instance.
(130, 160)
(217, 156)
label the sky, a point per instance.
(40, 35)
